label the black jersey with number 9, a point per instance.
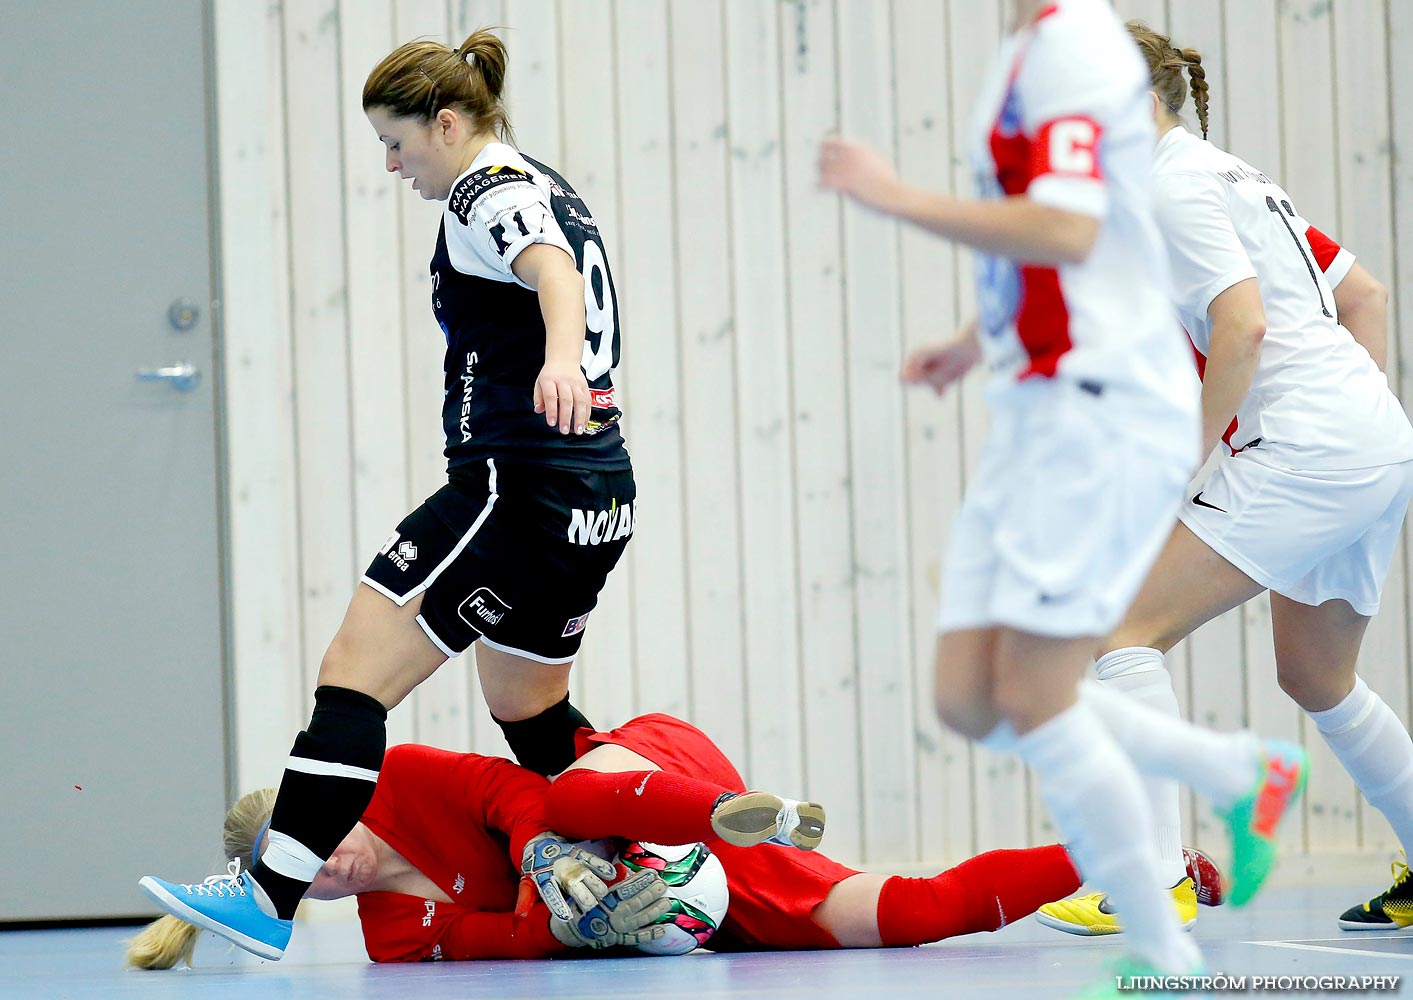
(495, 333)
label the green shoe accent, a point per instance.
(1253, 819)
(1122, 971)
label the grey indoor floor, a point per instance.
(1288, 931)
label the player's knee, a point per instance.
(1022, 706)
(339, 663)
(1313, 690)
(970, 716)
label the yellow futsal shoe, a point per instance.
(1093, 914)
(1391, 910)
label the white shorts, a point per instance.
(1075, 496)
(1309, 536)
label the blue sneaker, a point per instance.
(225, 905)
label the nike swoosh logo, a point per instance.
(1203, 503)
(639, 789)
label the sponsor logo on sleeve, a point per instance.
(576, 218)
(475, 186)
(431, 912)
(514, 224)
(399, 555)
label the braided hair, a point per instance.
(1166, 65)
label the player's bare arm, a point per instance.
(1238, 327)
(944, 362)
(1362, 303)
(1016, 227)
(561, 391)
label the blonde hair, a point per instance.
(1165, 68)
(168, 940)
(420, 78)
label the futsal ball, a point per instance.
(696, 886)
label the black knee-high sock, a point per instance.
(544, 743)
(328, 782)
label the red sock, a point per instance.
(655, 806)
(982, 894)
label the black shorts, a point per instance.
(514, 555)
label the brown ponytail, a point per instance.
(421, 78)
(1165, 69)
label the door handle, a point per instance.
(183, 375)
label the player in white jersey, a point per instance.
(1313, 480)
(1092, 441)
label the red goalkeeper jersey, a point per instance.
(462, 820)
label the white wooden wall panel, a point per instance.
(319, 321)
(782, 585)
(765, 454)
(269, 686)
(1362, 143)
(1399, 22)
(1399, 18)
(874, 340)
(1153, 13)
(707, 334)
(819, 376)
(533, 86)
(929, 313)
(645, 271)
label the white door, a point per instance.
(112, 706)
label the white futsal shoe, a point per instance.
(752, 818)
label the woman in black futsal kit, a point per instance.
(539, 506)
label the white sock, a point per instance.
(1097, 801)
(1222, 767)
(1002, 739)
(1138, 672)
(1374, 747)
